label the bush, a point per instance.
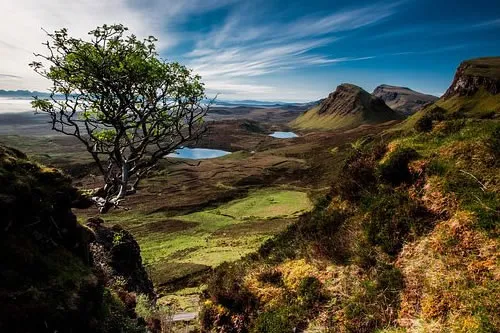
(426, 122)
(374, 302)
(309, 291)
(395, 169)
(391, 217)
(226, 288)
(494, 142)
(358, 175)
(281, 320)
(271, 276)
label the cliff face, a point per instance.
(402, 99)
(474, 74)
(48, 282)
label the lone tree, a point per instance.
(128, 107)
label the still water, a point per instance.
(198, 153)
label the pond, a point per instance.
(284, 135)
(197, 153)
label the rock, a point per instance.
(402, 99)
(472, 75)
(118, 255)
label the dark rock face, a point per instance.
(474, 74)
(47, 282)
(402, 99)
(118, 255)
(349, 99)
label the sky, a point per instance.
(272, 50)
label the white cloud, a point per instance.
(245, 46)
(230, 57)
(22, 21)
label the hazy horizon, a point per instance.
(273, 50)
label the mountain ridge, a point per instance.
(347, 107)
(403, 99)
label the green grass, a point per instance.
(312, 120)
(186, 243)
(487, 67)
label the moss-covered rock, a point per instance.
(47, 281)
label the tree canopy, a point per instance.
(128, 107)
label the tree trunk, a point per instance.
(124, 184)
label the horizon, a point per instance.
(274, 51)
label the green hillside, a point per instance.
(407, 240)
(348, 107)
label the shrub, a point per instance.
(225, 287)
(271, 276)
(309, 291)
(391, 217)
(494, 142)
(357, 177)
(395, 170)
(425, 123)
(281, 320)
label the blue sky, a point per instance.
(291, 50)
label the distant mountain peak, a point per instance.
(347, 107)
(403, 99)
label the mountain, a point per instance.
(402, 99)
(475, 90)
(347, 107)
(406, 240)
(22, 93)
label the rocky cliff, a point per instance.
(50, 280)
(472, 75)
(402, 99)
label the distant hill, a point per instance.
(347, 107)
(22, 93)
(402, 99)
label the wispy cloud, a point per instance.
(22, 20)
(436, 29)
(243, 46)
(9, 76)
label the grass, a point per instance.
(312, 120)
(213, 236)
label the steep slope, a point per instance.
(348, 106)
(475, 89)
(49, 277)
(402, 99)
(407, 240)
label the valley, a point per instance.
(334, 215)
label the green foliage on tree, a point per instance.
(128, 107)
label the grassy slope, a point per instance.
(312, 120)
(421, 238)
(171, 245)
(487, 67)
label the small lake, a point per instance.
(198, 153)
(284, 135)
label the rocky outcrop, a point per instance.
(402, 99)
(473, 75)
(349, 99)
(116, 253)
(47, 281)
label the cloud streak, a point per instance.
(244, 47)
